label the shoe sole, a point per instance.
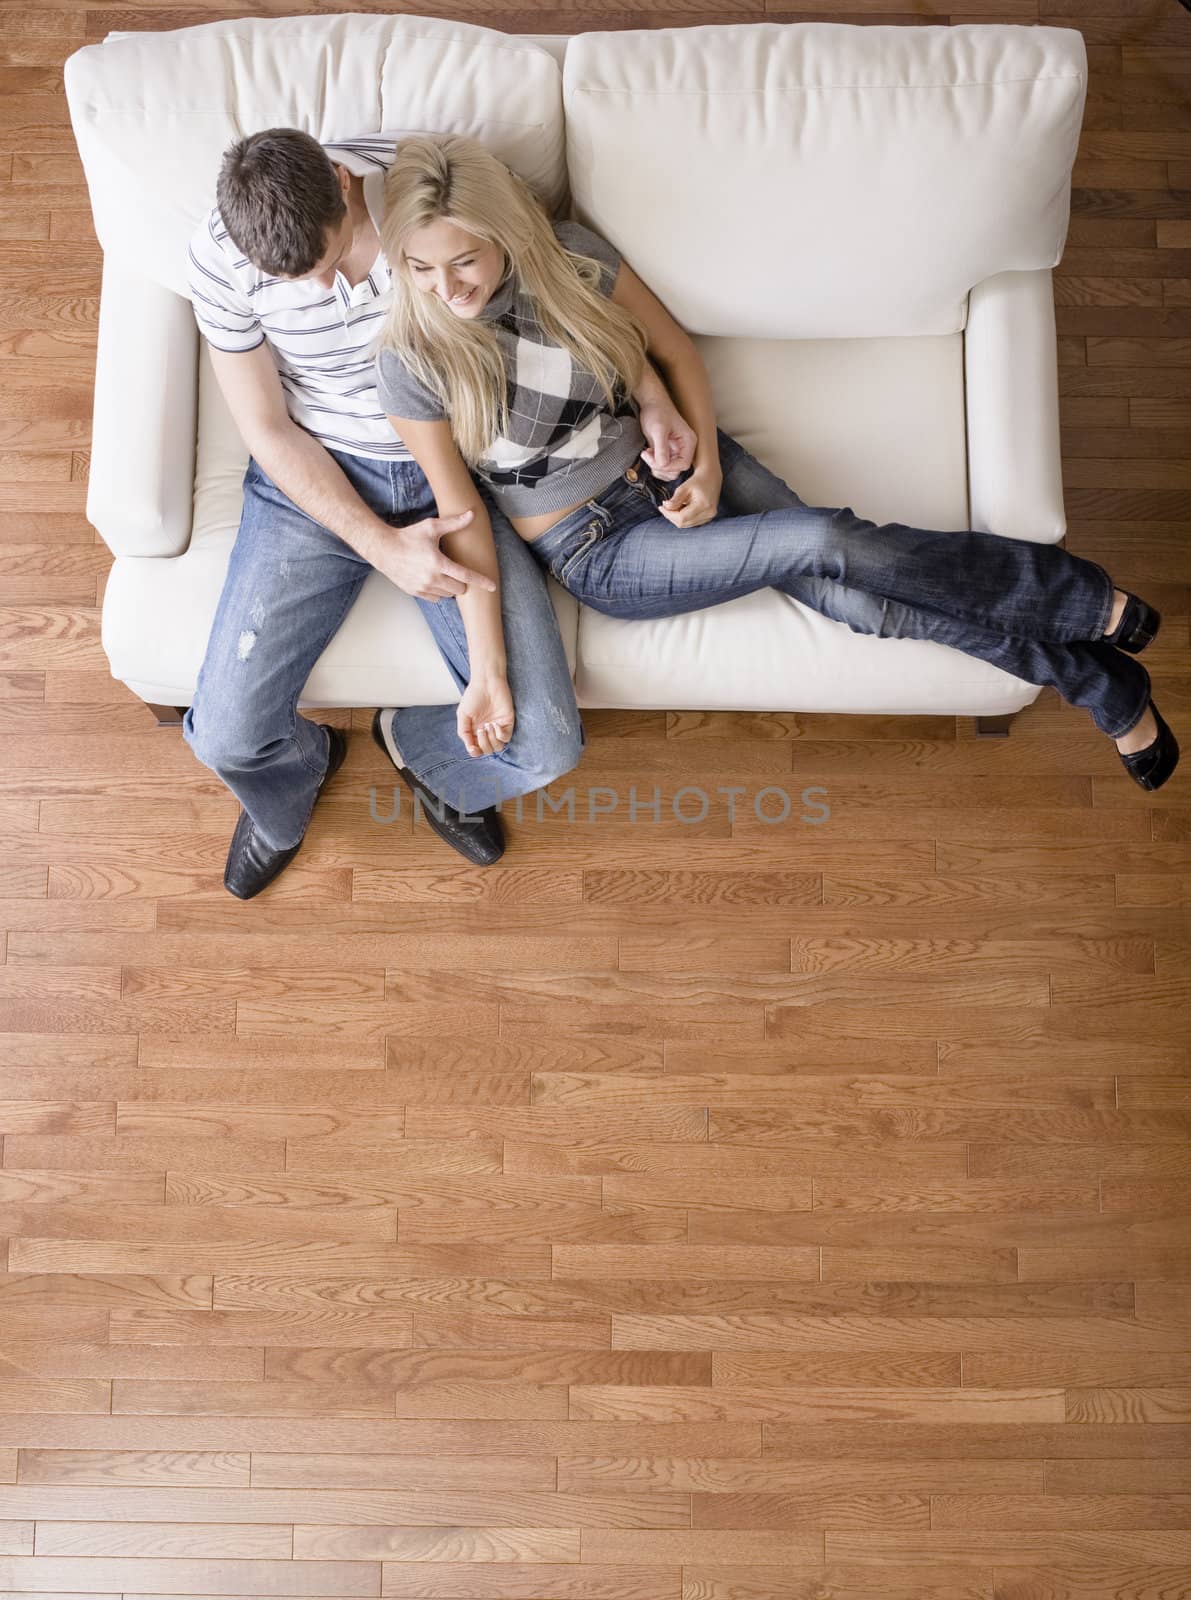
(382, 733)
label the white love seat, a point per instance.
(858, 224)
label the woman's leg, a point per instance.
(634, 564)
(1035, 591)
(1113, 687)
(643, 566)
(547, 735)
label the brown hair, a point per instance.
(278, 194)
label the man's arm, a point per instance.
(305, 471)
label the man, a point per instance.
(289, 288)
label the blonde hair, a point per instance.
(458, 359)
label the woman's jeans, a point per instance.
(1033, 610)
(289, 585)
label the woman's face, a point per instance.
(460, 269)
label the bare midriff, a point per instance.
(532, 527)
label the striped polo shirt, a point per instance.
(323, 341)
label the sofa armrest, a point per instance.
(141, 490)
(1011, 382)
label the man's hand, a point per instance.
(696, 500)
(485, 715)
(410, 557)
(671, 442)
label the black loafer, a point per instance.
(1151, 767)
(1138, 627)
(251, 863)
(479, 839)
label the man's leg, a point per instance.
(547, 735)
(289, 585)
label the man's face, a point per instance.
(461, 270)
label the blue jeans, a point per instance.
(289, 585)
(1034, 610)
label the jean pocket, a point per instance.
(575, 553)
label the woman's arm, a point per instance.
(486, 709)
(670, 438)
(680, 363)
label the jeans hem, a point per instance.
(1132, 721)
(1110, 587)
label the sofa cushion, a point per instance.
(825, 181)
(153, 112)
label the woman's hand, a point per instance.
(670, 441)
(696, 500)
(485, 714)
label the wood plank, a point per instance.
(123, 1468)
(786, 1331)
(1082, 1582)
(512, 1580)
(609, 1403)
(154, 1539)
(846, 1583)
(699, 1475)
(144, 1576)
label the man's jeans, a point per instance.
(289, 585)
(1033, 610)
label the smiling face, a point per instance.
(463, 271)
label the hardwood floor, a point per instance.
(736, 1212)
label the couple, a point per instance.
(436, 380)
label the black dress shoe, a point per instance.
(478, 837)
(1137, 628)
(251, 863)
(1152, 766)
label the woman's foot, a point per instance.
(1141, 735)
(1132, 624)
(1149, 751)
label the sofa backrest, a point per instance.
(153, 112)
(823, 180)
(799, 181)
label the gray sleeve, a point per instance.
(582, 241)
(401, 394)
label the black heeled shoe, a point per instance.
(1152, 766)
(1138, 627)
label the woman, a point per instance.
(516, 348)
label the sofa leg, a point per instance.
(168, 716)
(993, 727)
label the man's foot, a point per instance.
(1132, 624)
(251, 863)
(479, 839)
(1149, 751)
